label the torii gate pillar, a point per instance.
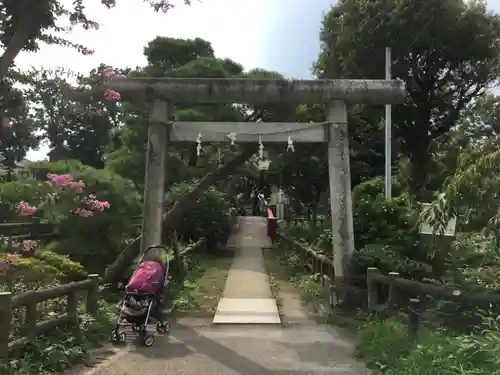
(340, 190)
(156, 162)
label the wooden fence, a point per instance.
(304, 221)
(89, 289)
(411, 297)
(32, 229)
(408, 299)
(30, 300)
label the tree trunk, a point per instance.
(16, 44)
(180, 207)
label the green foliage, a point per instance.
(453, 60)
(94, 241)
(310, 288)
(310, 233)
(61, 348)
(47, 268)
(208, 218)
(11, 193)
(381, 220)
(385, 346)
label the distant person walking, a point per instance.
(255, 196)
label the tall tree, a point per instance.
(74, 131)
(446, 51)
(175, 58)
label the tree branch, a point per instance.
(180, 207)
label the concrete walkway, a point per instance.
(247, 296)
(200, 348)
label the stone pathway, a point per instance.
(244, 349)
(247, 297)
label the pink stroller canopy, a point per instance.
(147, 278)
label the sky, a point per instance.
(279, 35)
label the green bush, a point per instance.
(385, 346)
(208, 218)
(94, 241)
(59, 349)
(381, 220)
(42, 270)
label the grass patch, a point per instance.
(203, 285)
(285, 264)
(64, 347)
(276, 274)
(385, 346)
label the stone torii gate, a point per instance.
(163, 93)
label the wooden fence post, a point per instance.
(393, 291)
(93, 295)
(372, 287)
(35, 228)
(30, 320)
(413, 317)
(5, 326)
(72, 307)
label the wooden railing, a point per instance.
(32, 229)
(30, 300)
(304, 221)
(89, 289)
(405, 298)
(411, 297)
(313, 261)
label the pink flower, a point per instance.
(76, 186)
(90, 52)
(30, 245)
(96, 205)
(60, 179)
(25, 210)
(111, 95)
(108, 73)
(66, 180)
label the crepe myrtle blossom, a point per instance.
(26, 247)
(26, 210)
(66, 180)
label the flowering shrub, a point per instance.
(92, 210)
(95, 222)
(61, 185)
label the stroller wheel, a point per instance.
(163, 327)
(148, 339)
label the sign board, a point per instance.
(449, 231)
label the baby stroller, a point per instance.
(144, 297)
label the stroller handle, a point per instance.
(154, 247)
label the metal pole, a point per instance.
(388, 126)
